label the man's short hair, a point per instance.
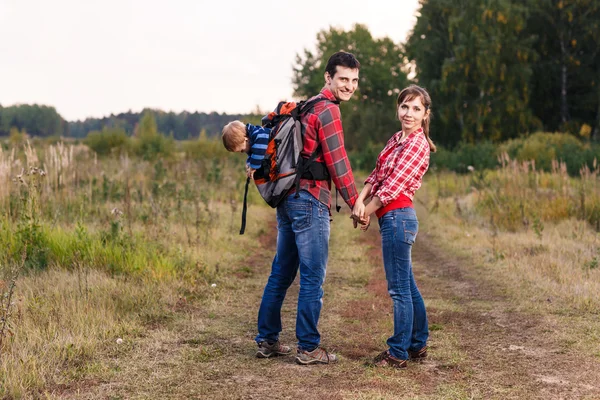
(343, 59)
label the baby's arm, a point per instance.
(259, 140)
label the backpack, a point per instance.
(282, 166)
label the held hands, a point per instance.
(359, 216)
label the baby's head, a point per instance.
(235, 138)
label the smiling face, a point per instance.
(412, 113)
(344, 82)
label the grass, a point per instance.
(169, 274)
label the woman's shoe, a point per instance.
(385, 359)
(418, 355)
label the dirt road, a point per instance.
(481, 348)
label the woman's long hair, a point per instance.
(411, 92)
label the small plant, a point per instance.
(538, 227)
(113, 235)
(7, 289)
(592, 264)
(29, 229)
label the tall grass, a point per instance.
(536, 229)
(111, 244)
(517, 194)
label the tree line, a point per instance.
(45, 121)
(495, 69)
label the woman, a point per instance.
(391, 187)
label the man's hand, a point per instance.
(364, 226)
(364, 222)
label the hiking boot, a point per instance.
(317, 356)
(418, 355)
(385, 359)
(266, 350)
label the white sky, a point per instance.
(94, 58)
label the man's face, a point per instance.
(343, 84)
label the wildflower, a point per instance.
(19, 177)
(471, 168)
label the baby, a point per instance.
(249, 139)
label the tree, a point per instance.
(151, 143)
(37, 120)
(566, 81)
(370, 114)
(476, 61)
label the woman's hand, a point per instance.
(359, 210)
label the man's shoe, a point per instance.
(385, 359)
(418, 355)
(266, 350)
(317, 356)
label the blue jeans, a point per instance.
(398, 232)
(302, 243)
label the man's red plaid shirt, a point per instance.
(400, 167)
(324, 126)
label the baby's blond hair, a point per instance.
(234, 135)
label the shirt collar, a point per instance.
(328, 94)
(398, 135)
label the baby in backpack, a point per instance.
(249, 139)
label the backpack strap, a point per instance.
(304, 163)
(245, 207)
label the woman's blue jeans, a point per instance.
(398, 232)
(302, 243)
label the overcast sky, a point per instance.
(94, 58)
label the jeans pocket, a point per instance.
(301, 214)
(411, 227)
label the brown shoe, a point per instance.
(317, 356)
(385, 359)
(418, 355)
(266, 349)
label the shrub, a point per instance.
(479, 156)
(108, 141)
(150, 143)
(543, 148)
(204, 148)
(365, 158)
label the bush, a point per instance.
(479, 156)
(365, 158)
(108, 141)
(204, 148)
(150, 143)
(543, 147)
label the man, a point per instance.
(303, 221)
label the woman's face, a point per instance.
(411, 114)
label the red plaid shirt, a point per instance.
(324, 126)
(400, 167)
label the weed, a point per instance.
(7, 290)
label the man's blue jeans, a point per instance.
(302, 243)
(398, 232)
